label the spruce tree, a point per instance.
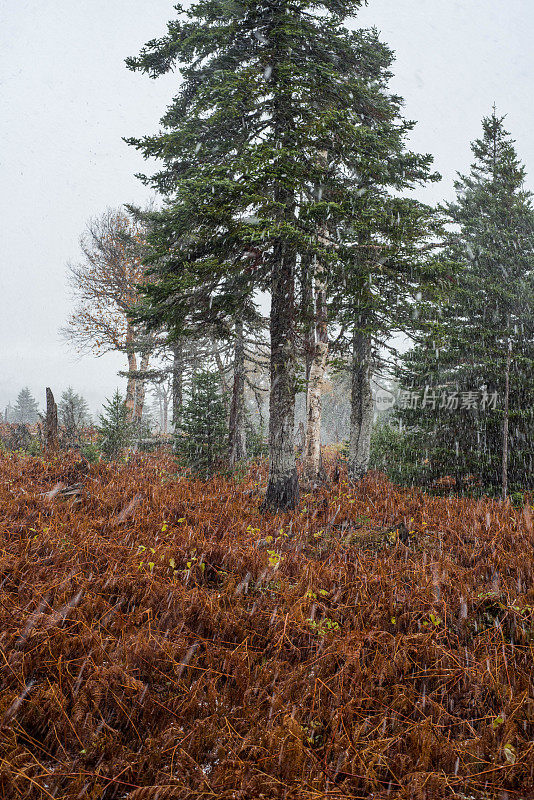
(26, 410)
(114, 428)
(73, 415)
(483, 340)
(280, 109)
(201, 440)
(391, 274)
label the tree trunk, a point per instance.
(166, 414)
(131, 393)
(225, 388)
(313, 471)
(282, 486)
(301, 440)
(237, 437)
(140, 388)
(51, 437)
(316, 367)
(307, 312)
(361, 416)
(177, 383)
(506, 422)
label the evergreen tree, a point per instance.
(391, 275)
(73, 415)
(114, 428)
(479, 353)
(26, 410)
(280, 109)
(202, 436)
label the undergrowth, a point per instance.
(160, 638)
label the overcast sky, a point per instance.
(67, 99)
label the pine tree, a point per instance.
(280, 109)
(202, 437)
(483, 339)
(26, 410)
(114, 428)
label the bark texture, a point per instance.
(301, 440)
(318, 356)
(313, 471)
(131, 389)
(51, 433)
(163, 403)
(282, 486)
(237, 448)
(361, 417)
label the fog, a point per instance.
(67, 100)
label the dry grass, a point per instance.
(162, 639)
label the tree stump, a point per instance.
(51, 436)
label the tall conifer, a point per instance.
(481, 350)
(281, 109)
(26, 410)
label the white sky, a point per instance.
(67, 99)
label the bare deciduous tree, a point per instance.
(105, 285)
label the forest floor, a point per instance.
(161, 638)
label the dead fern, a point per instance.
(161, 639)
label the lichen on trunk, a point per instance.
(313, 471)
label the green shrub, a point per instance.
(90, 451)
